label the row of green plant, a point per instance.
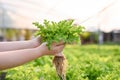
(85, 62)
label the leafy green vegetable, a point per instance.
(63, 30)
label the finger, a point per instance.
(54, 43)
(39, 39)
(60, 43)
(60, 48)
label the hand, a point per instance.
(55, 48)
(36, 41)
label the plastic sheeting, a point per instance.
(21, 13)
(107, 20)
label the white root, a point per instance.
(60, 63)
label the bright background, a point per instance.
(97, 58)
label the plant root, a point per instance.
(60, 64)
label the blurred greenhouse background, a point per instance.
(101, 19)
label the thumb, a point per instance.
(60, 48)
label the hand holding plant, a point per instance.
(55, 48)
(64, 31)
